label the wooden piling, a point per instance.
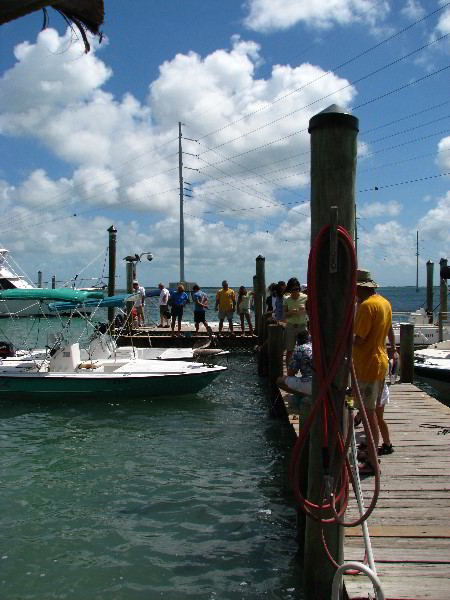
(333, 171)
(430, 268)
(275, 353)
(129, 307)
(443, 311)
(407, 352)
(112, 273)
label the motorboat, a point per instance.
(67, 370)
(425, 333)
(14, 305)
(433, 365)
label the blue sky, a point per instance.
(91, 140)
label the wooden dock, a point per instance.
(410, 526)
(161, 337)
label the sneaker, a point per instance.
(385, 449)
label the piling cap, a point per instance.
(333, 116)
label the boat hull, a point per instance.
(126, 386)
(33, 308)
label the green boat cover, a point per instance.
(50, 295)
(115, 301)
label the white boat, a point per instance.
(19, 307)
(101, 370)
(433, 365)
(425, 333)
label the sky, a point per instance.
(91, 140)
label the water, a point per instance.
(173, 499)
(181, 498)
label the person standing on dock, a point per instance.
(139, 303)
(243, 308)
(163, 306)
(373, 322)
(179, 300)
(301, 361)
(200, 306)
(295, 316)
(226, 305)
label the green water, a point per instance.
(180, 498)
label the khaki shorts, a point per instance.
(371, 392)
(225, 314)
(290, 336)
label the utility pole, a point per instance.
(417, 265)
(180, 172)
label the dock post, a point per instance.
(53, 282)
(40, 279)
(112, 273)
(407, 352)
(430, 268)
(260, 300)
(275, 351)
(443, 312)
(333, 173)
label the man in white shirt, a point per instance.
(139, 303)
(163, 306)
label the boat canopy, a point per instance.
(48, 295)
(116, 301)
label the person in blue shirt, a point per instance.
(179, 299)
(301, 361)
(201, 304)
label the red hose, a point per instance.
(325, 407)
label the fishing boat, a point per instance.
(67, 370)
(425, 333)
(15, 305)
(433, 365)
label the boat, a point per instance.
(433, 365)
(14, 304)
(425, 333)
(67, 370)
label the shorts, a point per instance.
(225, 315)
(163, 309)
(246, 311)
(371, 392)
(384, 399)
(199, 316)
(299, 384)
(290, 336)
(177, 311)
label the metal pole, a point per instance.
(112, 272)
(430, 267)
(180, 173)
(417, 263)
(333, 173)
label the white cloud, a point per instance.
(443, 158)
(413, 10)
(430, 226)
(443, 26)
(381, 209)
(272, 15)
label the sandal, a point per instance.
(362, 446)
(357, 420)
(366, 468)
(385, 449)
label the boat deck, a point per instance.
(410, 526)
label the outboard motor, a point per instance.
(6, 350)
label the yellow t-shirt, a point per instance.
(299, 318)
(372, 322)
(226, 299)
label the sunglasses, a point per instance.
(295, 289)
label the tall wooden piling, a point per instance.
(333, 170)
(275, 352)
(430, 268)
(260, 295)
(112, 272)
(443, 311)
(40, 280)
(407, 352)
(129, 307)
(53, 282)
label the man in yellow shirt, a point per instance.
(373, 322)
(225, 304)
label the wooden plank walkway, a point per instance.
(410, 526)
